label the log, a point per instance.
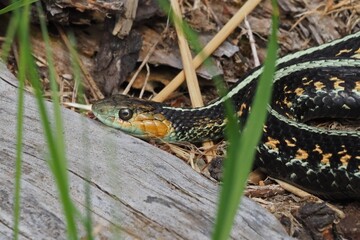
(137, 191)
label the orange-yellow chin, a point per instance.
(148, 125)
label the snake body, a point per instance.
(320, 82)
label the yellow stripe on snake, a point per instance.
(320, 82)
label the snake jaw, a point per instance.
(152, 125)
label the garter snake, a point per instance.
(320, 82)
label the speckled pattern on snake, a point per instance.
(320, 82)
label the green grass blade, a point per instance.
(57, 161)
(16, 5)
(76, 69)
(241, 151)
(10, 34)
(27, 69)
(19, 135)
(74, 57)
(88, 221)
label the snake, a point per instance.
(321, 82)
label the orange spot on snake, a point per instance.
(301, 154)
(337, 81)
(326, 158)
(319, 85)
(272, 143)
(289, 143)
(345, 159)
(241, 111)
(299, 91)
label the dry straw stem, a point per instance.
(295, 190)
(146, 59)
(144, 62)
(191, 78)
(210, 47)
(78, 106)
(252, 43)
(95, 91)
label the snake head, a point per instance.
(137, 117)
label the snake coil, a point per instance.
(320, 82)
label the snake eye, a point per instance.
(125, 113)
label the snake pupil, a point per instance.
(125, 114)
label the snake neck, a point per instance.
(195, 125)
(208, 122)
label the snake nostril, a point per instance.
(102, 110)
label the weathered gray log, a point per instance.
(137, 191)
